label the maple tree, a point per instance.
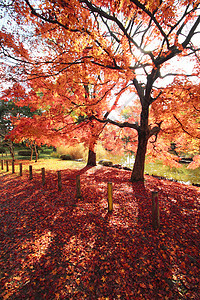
(136, 43)
(180, 117)
(61, 124)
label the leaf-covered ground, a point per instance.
(55, 247)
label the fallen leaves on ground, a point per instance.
(54, 246)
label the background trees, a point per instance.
(98, 44)
(5, 125)
(9, 113)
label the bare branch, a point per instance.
(191, 33)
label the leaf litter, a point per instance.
(54, 246)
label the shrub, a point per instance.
(66, 157)
(2, 150)
(46, 151)
(76, 151)
(101, 152)
(106, 163)
(25, 153)
(55, 155)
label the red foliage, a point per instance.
(55, 247)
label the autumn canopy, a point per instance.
(80, 61)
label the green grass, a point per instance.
(53, 164)
(157, 168)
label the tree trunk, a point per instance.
(91, 158)
(138, 168)
(143, 136)
(36, 153)
(11, 148)
(31, 152)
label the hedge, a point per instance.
(25, 153)
(66, 157)
(2, 150)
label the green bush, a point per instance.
(66, 157)
(106, 163)
(2, 150)
(55, 155)
(76, 151)
(25, 153)
(47, 151)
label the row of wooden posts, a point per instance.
(30, 172)
(155, 202)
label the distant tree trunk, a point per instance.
(36, 153)
(91, 158)
(31, 146)
(11, 148)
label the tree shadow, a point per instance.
(53, 250)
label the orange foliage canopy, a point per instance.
(81, 54)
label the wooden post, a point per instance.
(20, 169)
(59, 181)
(43, 176)
(110, 199)
(155, 211)
(7, 167)
(2, 163)
(13, 166)
(78, 187)
(30, 172)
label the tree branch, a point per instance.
(191, 33)
(52, 21)
(119, 124)
(192, 135)
(113, 18)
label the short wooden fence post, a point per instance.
(30, 172)
(59, 181)
(110, 197)
(20, 169)
(7, 167)
(13, 166)
(2, 163)
(43, 176)
(78, 187)
(155, 211)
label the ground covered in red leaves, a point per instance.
(54, 246)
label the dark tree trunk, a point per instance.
(11, 148)
(91, 158)
(31, 152)
(143, 136)
(138, 168)
(36, 153)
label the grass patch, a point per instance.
(51, 164)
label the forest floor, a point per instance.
(54, 246)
